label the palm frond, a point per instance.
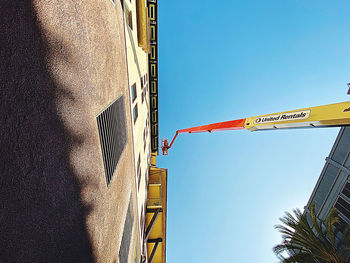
(315, 240)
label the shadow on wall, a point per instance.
(41, 216)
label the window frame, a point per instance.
(139, 172)
(135, 113)
(143, 96)
(129, 19)
(133, 92)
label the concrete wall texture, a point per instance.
(62, 63)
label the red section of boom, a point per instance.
(219, 126)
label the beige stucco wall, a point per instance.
(86, 58)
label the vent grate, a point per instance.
(113, 135)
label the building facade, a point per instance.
(141, 31)
(333, 186)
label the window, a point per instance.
(142, 222)
(129, 18)
(153, 70)
(153, 52)
(153, 32)
(144, 139)
(325, 185)
(343, 207)
(346, 190)
(138, 172)
(135, 113)
(146, 127)
(146, 81)
(143, 81)
(154, 102)
(143, 96)
(152, 11)
(153, 87)
(133, 92)
(127, 234)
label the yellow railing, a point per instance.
(154, 202)
(155, 178)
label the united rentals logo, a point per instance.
(298, 115)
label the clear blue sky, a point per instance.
(223, 60)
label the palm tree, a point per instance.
(319, 242)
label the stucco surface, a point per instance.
(62, 63)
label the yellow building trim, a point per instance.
(148, 32)
(153, 70)
(142, 20)
(154, 159)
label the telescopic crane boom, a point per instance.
(332, 115)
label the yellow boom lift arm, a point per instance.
(332, 115)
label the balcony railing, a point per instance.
(154, 202)
(155, 178)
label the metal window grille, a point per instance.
(113, 135)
